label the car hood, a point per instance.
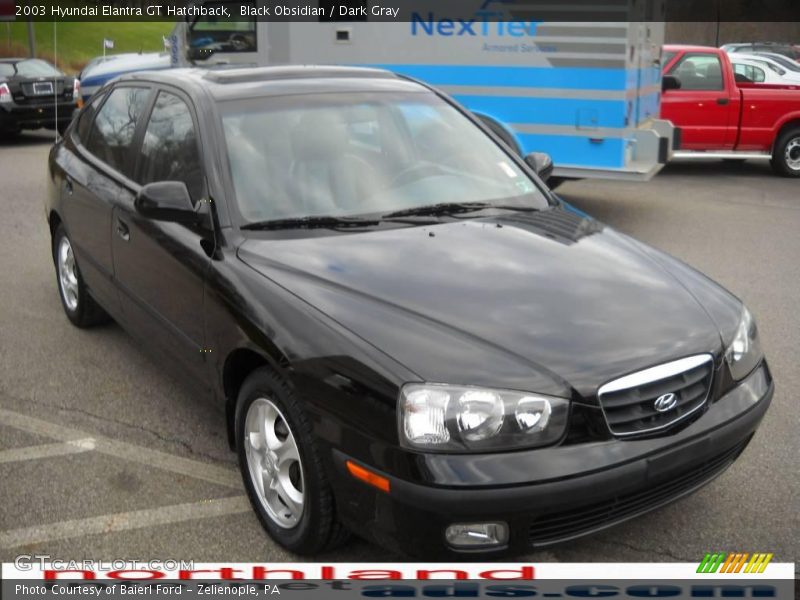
(552, 301)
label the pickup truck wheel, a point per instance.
(81, 309)
(786, 157)
(282, 468)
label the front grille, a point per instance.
(656, 398)
(563, 526)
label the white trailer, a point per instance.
(587, 93)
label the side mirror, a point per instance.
(166, 201)
(670, 82)
(541, 163)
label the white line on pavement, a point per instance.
(47, 450)
(126, 451)
(138, 519)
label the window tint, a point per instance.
(699, 72)
(752, 73)
(36, 68)
(114, 126)
(667, 56)
(169, 149)
(363, 153)
(225, 35)
(85, 120)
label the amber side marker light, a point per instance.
(367, 476)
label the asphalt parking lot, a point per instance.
(103, 456)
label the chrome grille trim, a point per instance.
(651, 376)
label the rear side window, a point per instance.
(699, 72)
(752, 73)
(112, 134)
(7, 70)
(169, 149)
(85, 120)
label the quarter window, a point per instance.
(112, 134)
(85, 120)
(754, 74)
(169, 149)
(699, 72)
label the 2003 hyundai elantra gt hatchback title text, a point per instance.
(412, 337)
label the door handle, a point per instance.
(68, 185)
(722, 101)
(122, 230)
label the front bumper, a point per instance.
(14, 117)
(615, 481)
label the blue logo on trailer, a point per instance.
(485, 23)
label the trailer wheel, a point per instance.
(786, 156)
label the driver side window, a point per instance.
(219, 34)
(170, 149)
(699, 72)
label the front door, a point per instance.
(161, 266)
(701, 107)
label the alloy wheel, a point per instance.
(67, 274)
(274, 463)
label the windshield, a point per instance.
(368, 153)
(36, 68)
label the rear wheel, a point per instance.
(78, 304)
(786, 156)
(281, 467)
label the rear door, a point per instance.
(702, 107)
(96, 176)
(161, 266)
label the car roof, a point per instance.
(245, 82)
(688, 47)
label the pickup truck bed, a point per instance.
(718, 114)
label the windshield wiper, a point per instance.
(321, 222)
(451, 208)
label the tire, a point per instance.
(81, 309)
(786, 156)
(267, 404)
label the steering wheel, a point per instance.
(239, 42)
(415, 172)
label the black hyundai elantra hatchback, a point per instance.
(413, 338)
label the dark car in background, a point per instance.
(34, 94)
(412, 337)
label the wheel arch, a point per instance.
(239, 364)
(791, 123)
(53, 220)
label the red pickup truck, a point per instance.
(723, 115)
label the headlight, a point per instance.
(744, 353)
(451, 418)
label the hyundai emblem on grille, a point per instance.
(665, 402)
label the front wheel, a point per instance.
(281, 467)
(81, 309)
(786, 156)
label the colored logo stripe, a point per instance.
(734, 562)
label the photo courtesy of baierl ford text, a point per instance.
(404, 298)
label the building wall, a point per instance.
(715, 34)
